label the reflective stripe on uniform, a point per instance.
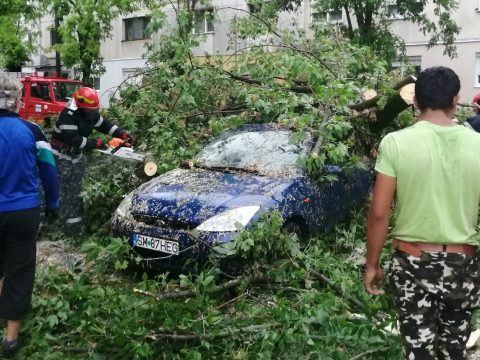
(73, 220)
(99, 122)
(68, 127)
(66, 157)
(57, 130)
(84, 142)
(467, 125)
(112, 130)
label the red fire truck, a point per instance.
(44, 97)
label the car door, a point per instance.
(330, 201)
(39, 102)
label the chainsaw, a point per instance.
(119, 148)
(123, 150)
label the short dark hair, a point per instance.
(436, 87)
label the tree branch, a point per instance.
(349, 20)
(368, 352)
(225, 111)
(295, 88)
(263, 21)
(291, 46)
(193, 336)
(371, 102)
(189, 293)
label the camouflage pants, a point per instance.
(435, 295)
(71, 208)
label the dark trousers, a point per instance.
(18, 236)
(71, 205)
(435, 295)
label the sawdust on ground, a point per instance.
(474, 354)
(59, 254)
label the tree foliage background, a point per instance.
(369, 22)
(15, 44)
(84, 24)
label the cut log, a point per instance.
(372, 101)
(407, 93)
(369, 94)
(147, 168)
(149, 165)
(394, 106)
(395, 103)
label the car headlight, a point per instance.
(230, 220)
(125, 206)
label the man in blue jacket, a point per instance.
(26, 159)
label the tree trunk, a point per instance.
(56, 40)
(394, 104)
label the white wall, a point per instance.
(116, 72)
(467, 42)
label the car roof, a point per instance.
(42, 78)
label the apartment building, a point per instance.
(124, 52)
(466, 65)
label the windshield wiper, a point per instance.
(232, 169)
(226, 169)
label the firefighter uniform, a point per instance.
(70, 139)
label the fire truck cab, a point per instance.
(45, 97)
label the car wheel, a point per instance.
(294, 229)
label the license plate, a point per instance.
(152, 243)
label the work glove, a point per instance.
(101, 145)
(51, 215)
(128, 139)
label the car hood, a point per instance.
(195, 195)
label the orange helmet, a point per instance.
(86, 98)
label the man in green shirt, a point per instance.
(433, 167)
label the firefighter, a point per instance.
(70, 139)
(474, 121)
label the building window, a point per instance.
(477, 70)
(332, 16)
(54, 37)
(203, 21)
(136, 28)
(392, 9)
(96, 83)
(132, 75)
(393, 12)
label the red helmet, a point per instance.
(476, 99)
(86, 98)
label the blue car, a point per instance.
(176, 218)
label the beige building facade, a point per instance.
(466, 64)
(124, 52)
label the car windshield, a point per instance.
(64, 90)
(269, 152)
